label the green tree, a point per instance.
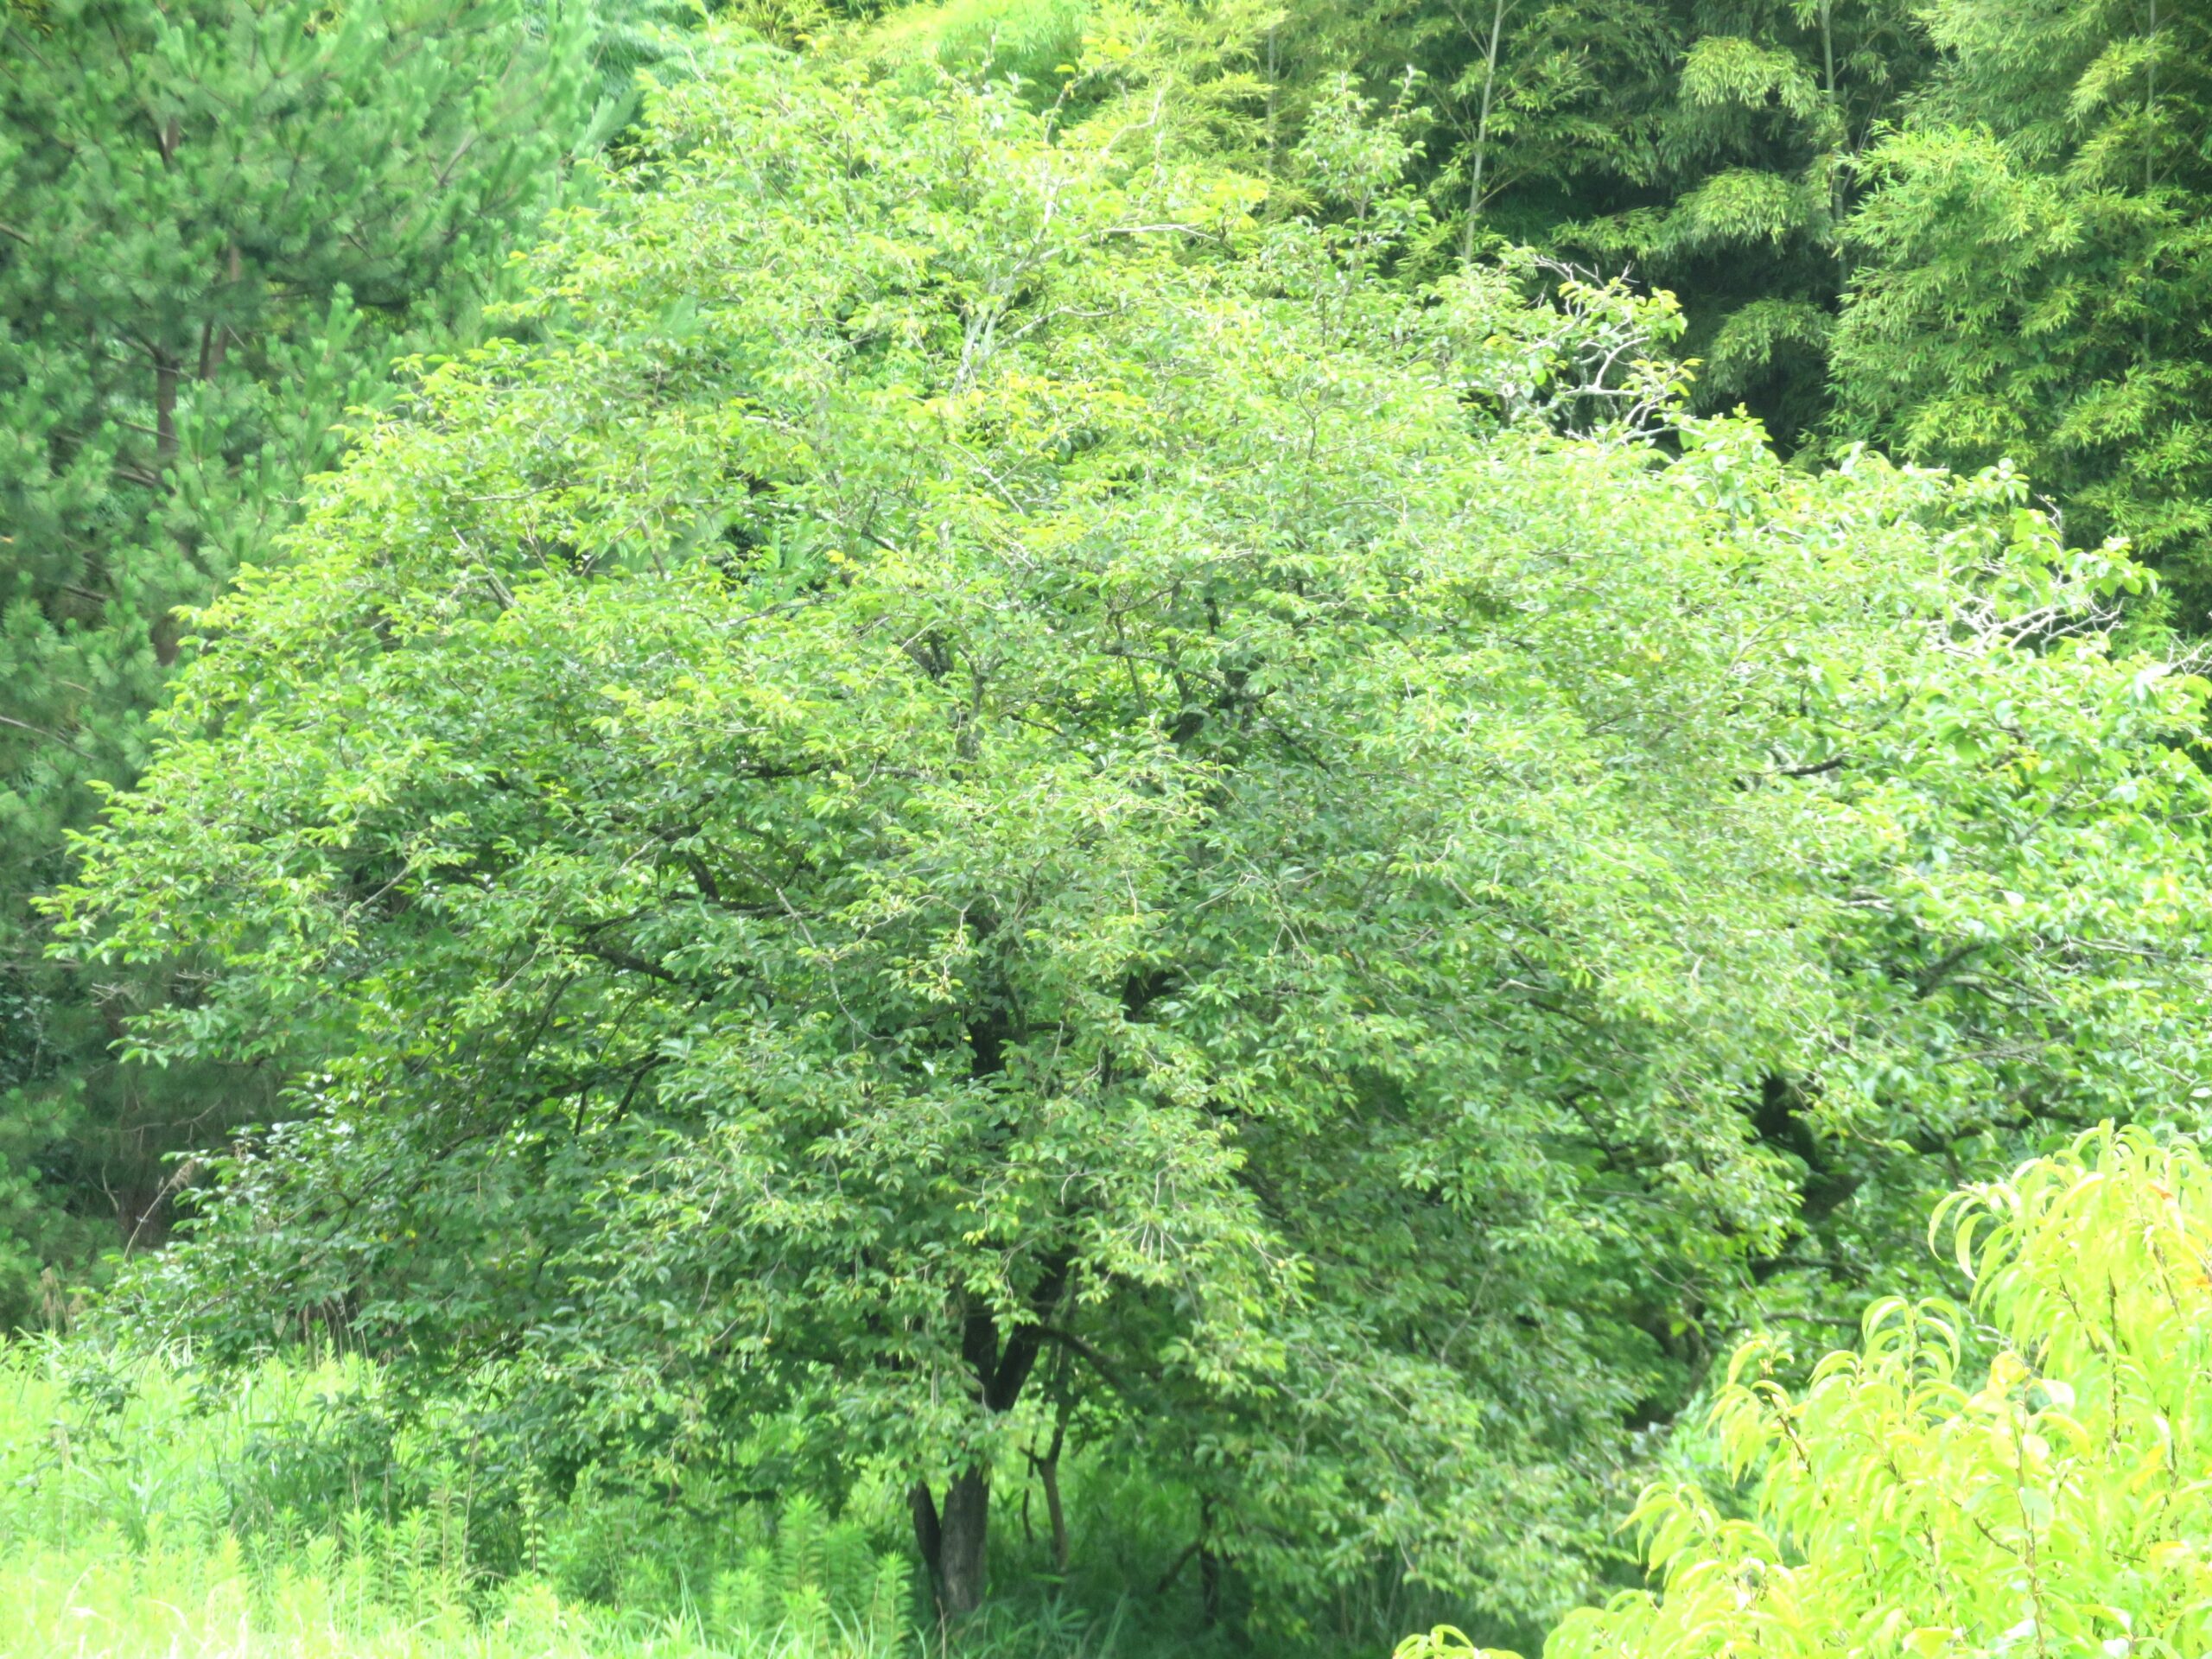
(1530, 98)
(2036, 272)
(1726, 175)
(217, 223)
(984, 781)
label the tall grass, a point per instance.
(149, 1508)
(158, 1512)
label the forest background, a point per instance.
(1953, 233)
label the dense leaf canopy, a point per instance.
(984, 785)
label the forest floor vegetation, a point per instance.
(151, 1508)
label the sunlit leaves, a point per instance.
(2044, 1498)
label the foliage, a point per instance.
(2038, 270)
(218, 221)
(1911, 1500)
(297, 1507)
(1711, 146)
(2021, 191)
(2016, 272)
(1965, 231)
(1749, 160)
(984, 798)
(142, 1502)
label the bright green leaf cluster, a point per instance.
(2048, 1499)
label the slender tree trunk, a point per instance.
(928, 1535)
(2151, 102)
(1200, 1549)
(2150, 132)
(1274, 69)
(1048, 1477)
(167, 138)
(1482, 133)
(214, 336)
(165, 379)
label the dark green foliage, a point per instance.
(2037, 273)
(2002, 208)
(218, 224)
(1733, 186)
(1964, 230)
(1711, 146)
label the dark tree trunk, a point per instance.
(927, 1536)
(964, 1529)
(1200, 1550)
(1048, 1473)
(952, 1541)
(165, 379)
(952, 1538)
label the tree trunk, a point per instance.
(165, 379)
(1209, 1567)
(1841, 137)
(952, 1540)
(1051, 1476)
(2151, 102)
(927, 1533)
(1047, 1467)
(1273, 70)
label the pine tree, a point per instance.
(218, 221)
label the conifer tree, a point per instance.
(218, 221)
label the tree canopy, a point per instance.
(984, 787)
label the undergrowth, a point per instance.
(151, 1508)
